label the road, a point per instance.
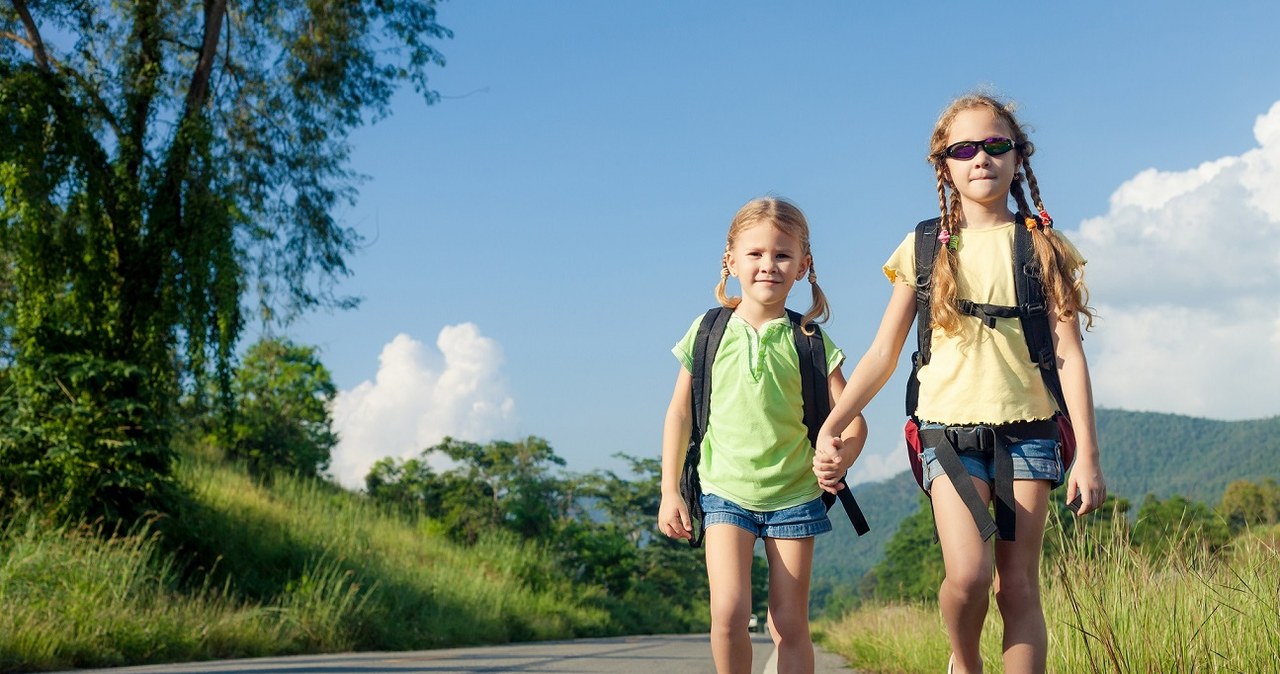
(653, 654)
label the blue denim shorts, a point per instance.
(803, 521)
(1032, 460)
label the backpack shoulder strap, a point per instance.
(813, 375)
(1034, 313)
(817, 407)
(926, 252)
(705, 344)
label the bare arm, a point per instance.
(1086, 478)
(673, 513)
(877, 364)
(830, 467)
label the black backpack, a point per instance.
(817, 405)
(1033, 312)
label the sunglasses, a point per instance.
(968, 149)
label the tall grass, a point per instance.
(1109, 608)
(245, 569)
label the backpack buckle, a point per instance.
(981, 438)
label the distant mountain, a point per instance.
(1142, 453)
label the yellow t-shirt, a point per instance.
(981, 375)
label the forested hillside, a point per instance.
(1142, 452)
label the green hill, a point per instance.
(1142, 452)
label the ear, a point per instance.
(730, 263)
(804, 267)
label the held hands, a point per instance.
(830, 462)
(1085, 487)
(673, 517)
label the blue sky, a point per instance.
(537, 240)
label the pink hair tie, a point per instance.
(945, 238)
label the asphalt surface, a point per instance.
(651, 654)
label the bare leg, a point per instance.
(965, 593)
(1018, 582)
(790, 569)
(729, 551)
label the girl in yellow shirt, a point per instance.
(980, 379)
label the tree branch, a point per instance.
(198, 92)
(35, 43)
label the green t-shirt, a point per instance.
(756, 451)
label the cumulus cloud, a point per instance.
(1183, 270)
(419, 396)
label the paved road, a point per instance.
(655, 654)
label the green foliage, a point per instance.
(1176, 523)
(912, 565)
(1142, 452)
(1246, 504)
(153, 169)
(280, 420)
(842, 559)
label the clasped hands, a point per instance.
(830, 462)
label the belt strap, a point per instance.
(950, 441)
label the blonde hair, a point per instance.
(1061, 274)
(788, 218)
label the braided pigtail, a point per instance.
(721, 296)
(946, 268)
(820, 310)
(1061, 274)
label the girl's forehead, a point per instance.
(977, 124)
(764, 231)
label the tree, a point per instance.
(1246, 504)
(912, 564)
(281, 415)
(1177, 525)
(160, 160)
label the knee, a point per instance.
(728, 618)
(789, 626)
(1017, 592)
(968, 585)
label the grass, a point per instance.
(245, 569)
(1109, 608)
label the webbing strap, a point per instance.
(705, 345)
(926, 250)
(817, 406)
(996, 440)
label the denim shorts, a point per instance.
(1032, 460)
(803, 521)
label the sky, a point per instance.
(537, 240)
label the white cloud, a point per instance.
(1184, 270)
(418, 397)
(876, 467)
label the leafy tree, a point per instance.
(912, 564)
(159, 160)
(1246, 504)
(1177, 524)
(281, 416)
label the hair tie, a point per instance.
(1044, 218)
(1030, 222)
(946, 239)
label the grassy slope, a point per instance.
(249, 570)
(1142, 452)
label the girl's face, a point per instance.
(983, 179)
(767, 262)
